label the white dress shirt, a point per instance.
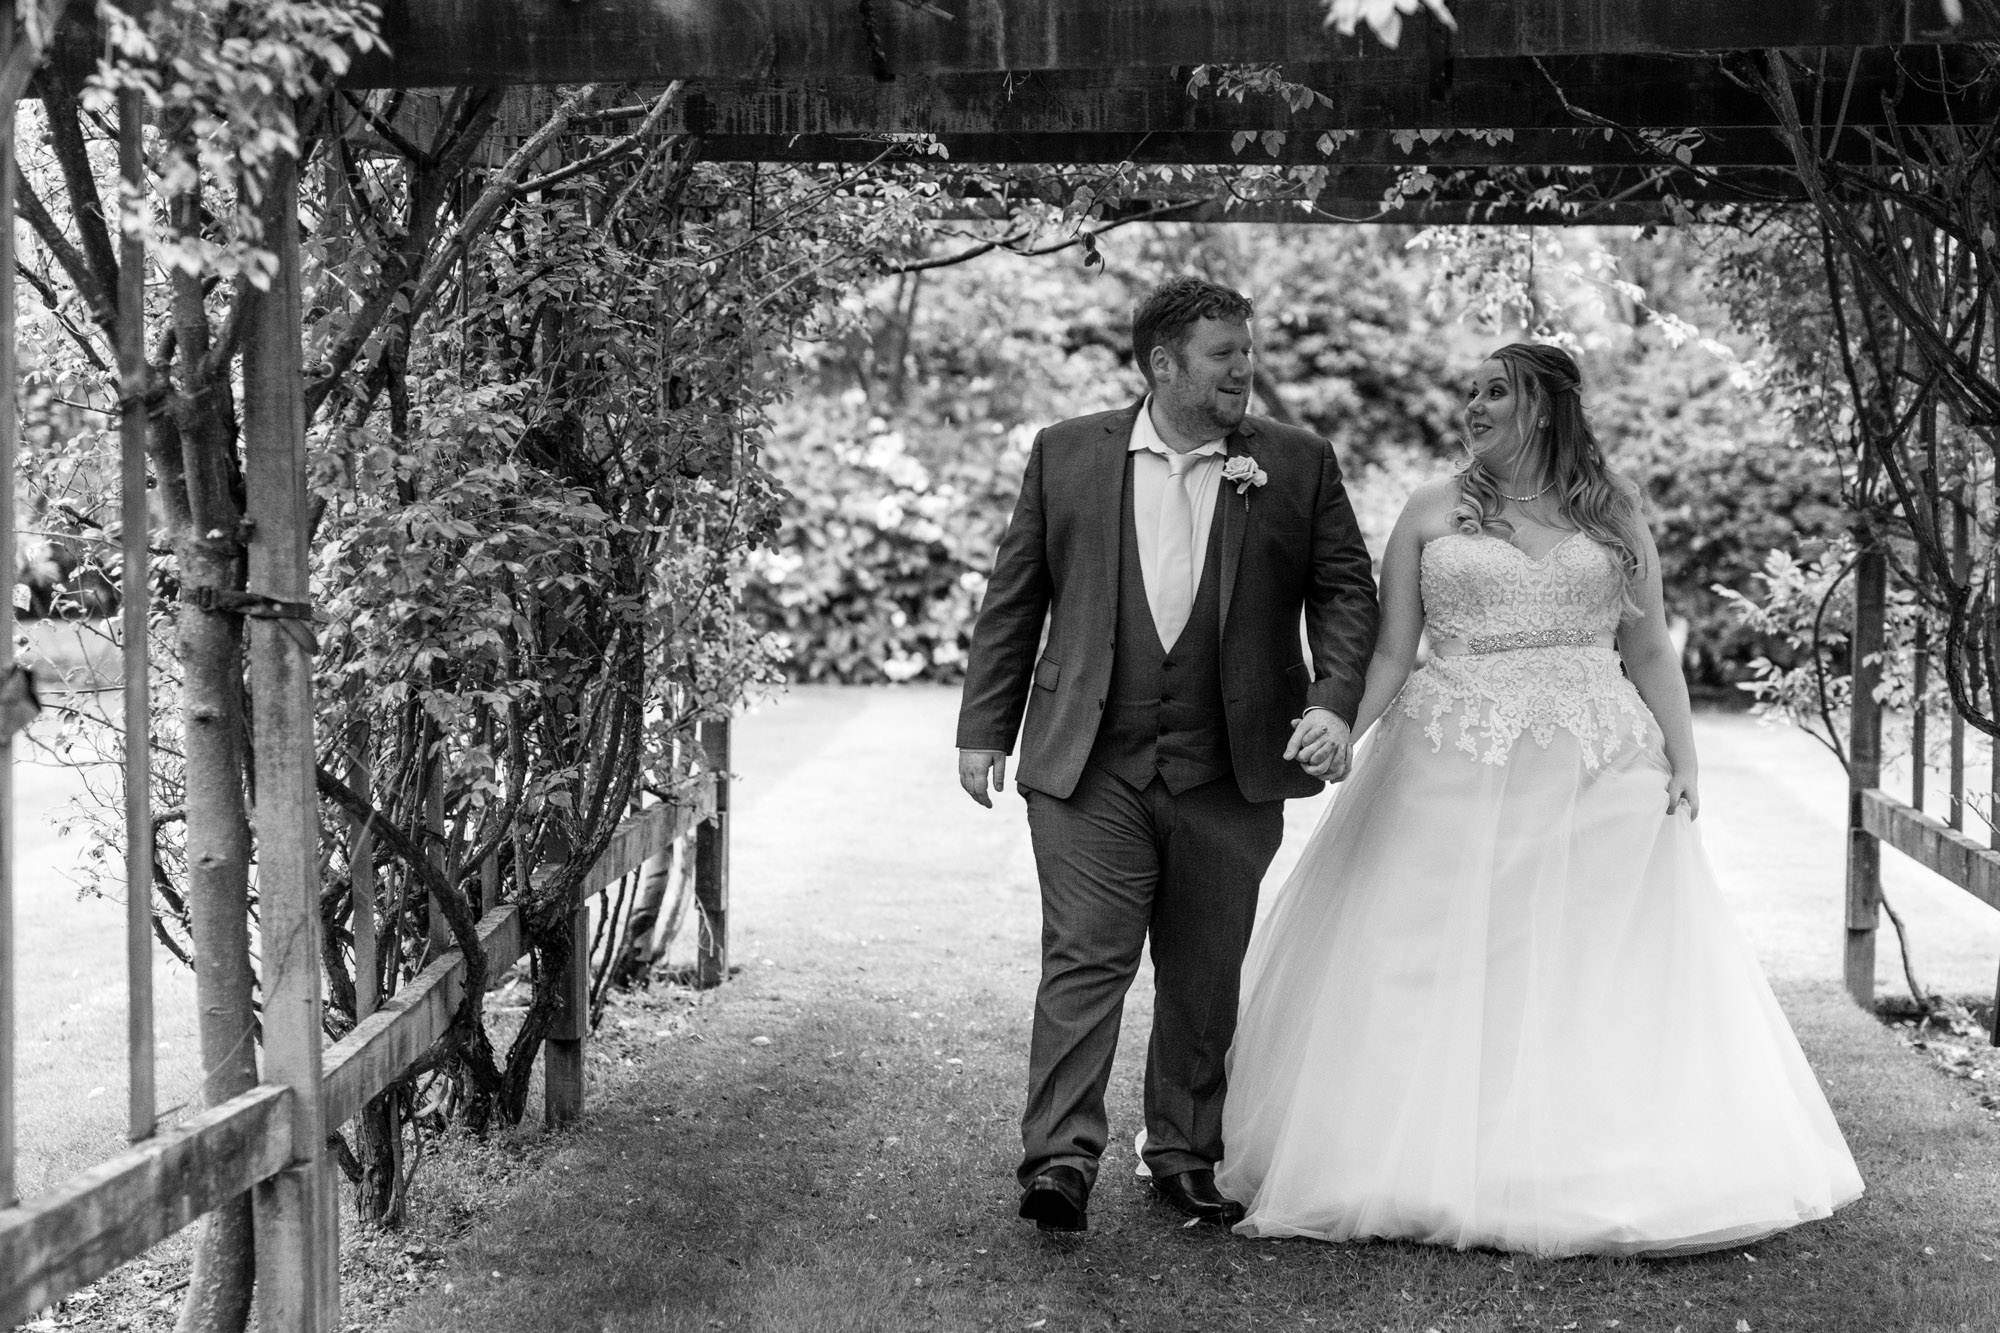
(1149, 479)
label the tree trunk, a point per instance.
(210, 554)
(218, 858)
(645, 937)
(378, 1144)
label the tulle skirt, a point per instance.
(1503, 1005)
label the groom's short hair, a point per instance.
(1170, 311)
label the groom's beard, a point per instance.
(1209, 418)
(1227, 413)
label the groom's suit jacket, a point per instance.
(1286, 547)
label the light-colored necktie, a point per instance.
(1173, 601)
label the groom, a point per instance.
(1170, 549)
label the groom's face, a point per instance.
(1208, 384)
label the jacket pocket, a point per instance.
(1047, 671)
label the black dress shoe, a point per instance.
(1057, 1200)
(1193, 1194)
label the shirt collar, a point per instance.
(1146, 437)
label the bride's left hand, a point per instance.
(1321, 744)
(1681, 790)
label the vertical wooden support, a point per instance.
(438, 936)
(711, 865)
(489, 869)
(1961, 572)
(1920, 692)
(136, 597)
(1992, 631)
(9, 434)
(297, 1228)
(1993, 1036)
(562, 1053)
(1864, 770)
(361, 888)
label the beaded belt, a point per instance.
(1479, 644)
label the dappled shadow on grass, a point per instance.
(847, 1177)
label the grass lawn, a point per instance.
(70, 988)
(853, 1169)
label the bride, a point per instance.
(1500, 1002)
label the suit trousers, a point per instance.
(1118, 864)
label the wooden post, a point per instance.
(1864, 771)
(1992, 631)
(711, 865)
(439, 940)
(1919, 729)
(1993, 1037)
(1920, 690)
(136, 598)
(361, 884)
(298, 1274)
(562, 1055)
(8, 439)
(489, 869)
(1961, 571)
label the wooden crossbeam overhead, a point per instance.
(1553, 148)
(1487, 94)
(1357, 192)
(1335, 209)
(452, 42)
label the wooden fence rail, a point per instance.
(115, 1211)
(1875, 817)
(1933, 843)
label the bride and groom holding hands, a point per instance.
(1499, 1001)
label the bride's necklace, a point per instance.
(1532, 495)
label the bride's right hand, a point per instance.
(1681, 790)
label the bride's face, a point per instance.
(1496, 417)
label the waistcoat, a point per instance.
(1164, 715)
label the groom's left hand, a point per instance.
(1321, 744)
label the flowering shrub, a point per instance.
(903, 450)
(885, 556)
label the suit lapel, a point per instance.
(1108, 474)
(1233, 512)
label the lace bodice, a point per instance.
(1485, 587)
(1534, 669)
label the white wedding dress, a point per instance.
(1500, 1002)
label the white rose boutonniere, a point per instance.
(1242, 471)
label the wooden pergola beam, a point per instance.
(1515, 94)
(437, 43)
(1525, 148)
(1334, 210)
(1470, 187)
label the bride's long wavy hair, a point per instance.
(1546, 384)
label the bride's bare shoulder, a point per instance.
(1427, 513)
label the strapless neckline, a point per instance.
(1537, 560)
